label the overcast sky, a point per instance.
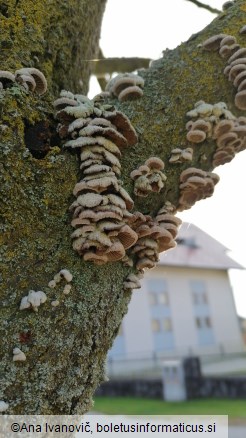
(146, 28)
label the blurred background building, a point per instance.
(184, 308)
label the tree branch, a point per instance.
(204, 6)
(119, 65)
(106, 66)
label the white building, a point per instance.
(185, 305)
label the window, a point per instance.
(208, 321)
(198, 322)
(163, 298)
(199, 294)
(157, 285)
(203, 322)
(156, 326)
(157, 289)
(199, 298)
(153, 298)
(167, 325)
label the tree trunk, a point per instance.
(66, 345)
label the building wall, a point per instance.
(198, 316)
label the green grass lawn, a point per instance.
(142, 406)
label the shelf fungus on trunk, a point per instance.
(170, 223)
(126, 86)
(6, 79)
(149, 177)
(102, 207)
(195, 184)
(236, 63)
(220, 125)
(198, 130)
(31, 79)
(153, 238)
(181, 155)
(133, 281)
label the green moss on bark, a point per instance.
(57, 37)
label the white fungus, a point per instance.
(52, 284)
(55, 303)
(66, 274)
(33, 299)
(67, 289)
(18, 355)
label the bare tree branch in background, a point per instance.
(106, 66)
(204, 6)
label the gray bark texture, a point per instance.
(66, 346)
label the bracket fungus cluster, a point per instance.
(230, 136)
(6, 79)
(101, 209)
(236, 63)
(195, 184)
(133, 281)
(33, 300)
(105, 229)
(127, 86)
(219, 124)
(31, 79)
(149, 177)
(154, 236)
(181, 155)
(198, 130)
(170, 223)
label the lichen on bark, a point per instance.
(66, 345)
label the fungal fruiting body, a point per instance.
(236, 63)
(133, 281)
(67, 289)
(66, 274)
(126, 86)
(52, 284)
(33, 300)
(198, 130)
(6, 78)
(55, 303)
(220, 125)
(101, 209)
(18, 355)
(181, 155)
(63, 273)
(31, 79)
(3, 406)
(170, 223)
(195, 184)
(154, 236)
(149, 177)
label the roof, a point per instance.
(197, 249)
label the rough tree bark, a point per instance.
(66, 346)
